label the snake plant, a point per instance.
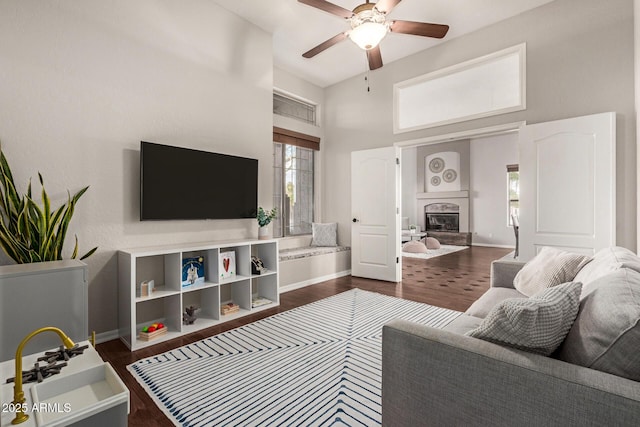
(30, 232)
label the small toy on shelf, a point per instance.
(150, 332)
(189, 315)
(257, 267)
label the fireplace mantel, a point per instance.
(443, 195)
(460, 198)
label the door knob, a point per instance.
(355, 220)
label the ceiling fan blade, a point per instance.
(385, 6)
(325, 45)
(424, 29)
(328, 7)
(375, 58)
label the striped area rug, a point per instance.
(315, 365)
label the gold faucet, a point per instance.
(18, 393)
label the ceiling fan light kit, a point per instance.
(369, 26)
(368, 34)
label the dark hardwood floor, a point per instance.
(451, 281)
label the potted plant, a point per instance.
(264, 219)
(412, 228)
(33, 235)
(29, 232)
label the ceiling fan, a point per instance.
(369, 26)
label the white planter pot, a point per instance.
(264, 233)
(52, 293)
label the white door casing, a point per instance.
(568, 185)
(375, 202)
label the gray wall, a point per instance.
(84, 81)
(579, 62)
(489, 205)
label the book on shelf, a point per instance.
(227, 265)
(260, 301)
(192, 271)
(229, 308)
(145, 288)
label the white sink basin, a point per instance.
(80, 395)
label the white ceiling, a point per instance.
(297, 28)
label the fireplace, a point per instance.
(444, 217)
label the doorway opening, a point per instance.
(479, 203)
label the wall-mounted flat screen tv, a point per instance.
(182, 183)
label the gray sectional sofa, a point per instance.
(442, 377)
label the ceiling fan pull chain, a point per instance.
(366, 77)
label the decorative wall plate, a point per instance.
(435, 181)
(449, 175)
(436, 165)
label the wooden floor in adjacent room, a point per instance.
(451, 281)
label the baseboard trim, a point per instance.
(489, 245)
(313, 281)
(107, 336)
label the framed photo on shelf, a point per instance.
(227, 265)
(192, 271)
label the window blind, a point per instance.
(298, 139)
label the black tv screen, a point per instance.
(181, 183)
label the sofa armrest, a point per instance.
(434, 377)
(504, 271)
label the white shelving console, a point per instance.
(167, 303)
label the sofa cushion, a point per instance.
(324, 234)
(550, 267)
(605, 261)
(538, 324)
(463, 324)
(483, 305)
(606, 333)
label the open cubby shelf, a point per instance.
(216, 280)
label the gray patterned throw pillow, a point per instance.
(324, 234)
(538, 324)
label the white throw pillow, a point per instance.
(538, 324)
(324, 234)
(550, 267)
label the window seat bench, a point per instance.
(306, 265)
(307, 251)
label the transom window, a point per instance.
(294, 108)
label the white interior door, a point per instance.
(568, 185)
(375, 206)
